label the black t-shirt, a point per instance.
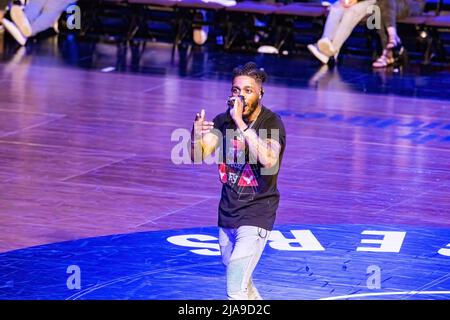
(249, 192)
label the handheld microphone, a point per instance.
(231, 99)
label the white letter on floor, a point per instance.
(391, 242)
(304, 240)
(184, 241)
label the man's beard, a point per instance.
(249, 109)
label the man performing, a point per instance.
(250, 140)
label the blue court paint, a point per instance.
(314, 115)
(363, 121)
(386, 123)
(432, 125)
(337, 117)
(413, 124)
(300, 262)
(421, 131)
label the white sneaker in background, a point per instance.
(319, 55)
(268, 49)
(21, 20)
(325, 46)
(14, 31)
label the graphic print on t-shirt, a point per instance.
(223, 173)
(247, 177)
(239, 176)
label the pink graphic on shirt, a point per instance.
(223, 173)
(247, 178)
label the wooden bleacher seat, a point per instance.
(253, 7)
(160, 3)
(440, 21)
(302, 10)
(199, 4)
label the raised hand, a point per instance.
(201, 126)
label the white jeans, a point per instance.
(241, 250)
(42, 14)
(341, 21)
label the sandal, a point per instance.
(396, 47)
(385, 60)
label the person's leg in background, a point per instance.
(331, 25)
(12, 27)
(388, 10)
(51, 11)
(339, 25)
(388, 33)
(391, 10)
(22, 16)
(36, 16)
(241, 250)
(351, 17)
(334, 18)
(33, 9)
(386, 58)
(20, 26)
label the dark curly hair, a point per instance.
(250, 69)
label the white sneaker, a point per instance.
(326, 47)
(14, 31)
(268, 49)
(21, 20)
(319, 55)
